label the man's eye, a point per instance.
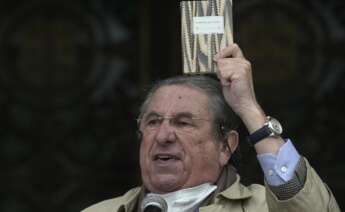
(183, 123)
(152, 122)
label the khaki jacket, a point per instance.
(314, 197)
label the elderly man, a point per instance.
(188, 137)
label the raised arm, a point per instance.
(292, 184)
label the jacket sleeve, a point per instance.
(305, 192)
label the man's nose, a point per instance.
(166, 133)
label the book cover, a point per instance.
(206, 28)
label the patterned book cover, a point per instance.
(206, 28)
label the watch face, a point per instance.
(275, 126)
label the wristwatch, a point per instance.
(272, 127)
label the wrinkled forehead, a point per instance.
(171, 100)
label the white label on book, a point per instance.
(208, 25)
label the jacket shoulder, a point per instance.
(114, 204)
(257, 202)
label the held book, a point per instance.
(206, 27)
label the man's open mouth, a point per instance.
(165, 157)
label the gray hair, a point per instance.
(224, 119)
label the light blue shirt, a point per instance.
(280, 168)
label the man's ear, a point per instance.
(229, 147)
(139, 135)
(233, 140)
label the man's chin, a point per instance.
(165, 183)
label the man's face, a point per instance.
(178, 149)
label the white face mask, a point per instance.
(187, 200)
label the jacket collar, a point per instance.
(130, 200)
(236, 191)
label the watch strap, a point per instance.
(258, 135)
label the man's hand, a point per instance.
(235, 75)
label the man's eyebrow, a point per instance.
(185, 115)
(151, 114)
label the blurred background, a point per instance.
(73, 73)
